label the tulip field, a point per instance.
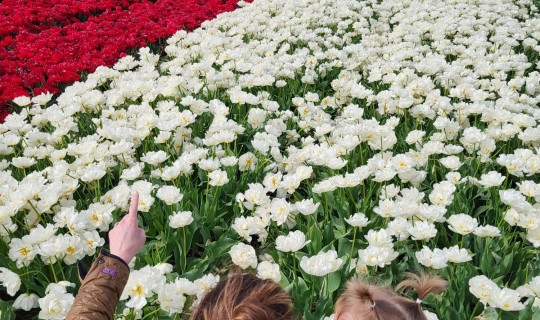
(47, 44)
(309, 142)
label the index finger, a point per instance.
(132, 214)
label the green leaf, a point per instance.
(220, 247)
(316, 240)
(452, 314)
(6, 311)
(300, 293)
(284, 282)
(328, 233)
(302, 286)
(157, 225)
(536, 314)
(340, 229)
(334, 281)
(506, 263)
(485, 262)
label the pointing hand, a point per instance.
(126, 238)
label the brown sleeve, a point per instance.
(100, 289)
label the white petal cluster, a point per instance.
(439, 258)
(531, 290)
(57, 301)
(306, 207)
(462, 223)
(358, 220)
(141, 285)
(489, 293)
(180, 219)
(435, 259)
(152, 282)
(169, 194)
(321, 264)
(218, 178)
(26, 302)
(292, 242)
(380, 251)
(243, 255)
(268, 271)
(10, 280)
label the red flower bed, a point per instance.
(34, 63)
(18, 16)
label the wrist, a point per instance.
(120, 256)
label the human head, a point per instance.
(245, 297)
(364, 301)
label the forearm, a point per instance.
(101, 289)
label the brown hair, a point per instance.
(364, 301)
(245, 297)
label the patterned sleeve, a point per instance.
(101, 288)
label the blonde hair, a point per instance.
(364, 301)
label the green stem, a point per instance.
(52, 271)
(35, 271)
(295, 276)
(474, 310)
(352, 250)
(312, 294)
(61, 270)
(352, 199)
(151, 313)
(98, 190)
(35, 210)
(326, 287)
(216, 200)
(184, 249)
(325, 207)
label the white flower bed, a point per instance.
(327, 137)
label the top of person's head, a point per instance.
(245, 297)
(364, 301)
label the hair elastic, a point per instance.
(373, 305)
(418, 301)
